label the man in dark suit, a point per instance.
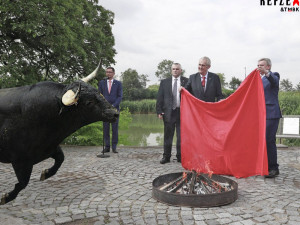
(168, 109)
(273, 114)
(112, 91)
(205, 85)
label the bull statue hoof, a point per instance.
(43, 175)
(3, 199)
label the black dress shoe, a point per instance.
(114, 151)
(105, 150)
(164, 160)
(272, 174)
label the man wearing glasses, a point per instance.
(112, 91)
(205, 85)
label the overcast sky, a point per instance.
(234, 34)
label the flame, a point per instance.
(207, 167)
(203, 167)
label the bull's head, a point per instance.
(90, 99)
(70, 97)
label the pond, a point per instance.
(144, 130)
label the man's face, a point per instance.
(263, 67)
(176, 71)
(109, 73)
(203, 67)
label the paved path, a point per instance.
(117, 190)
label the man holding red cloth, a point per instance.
(271, 87)
(205, 85)
(226, 137)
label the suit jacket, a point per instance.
(165, 97)
(271, 89)
(212, 91)
(116, 92)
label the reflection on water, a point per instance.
(154, 139)
(144, 130)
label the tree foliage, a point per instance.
(164, 69)
(222, 79)
(297, 87)
(286, 85)
(234, 83)
(53, 40)
(151, 91)
(133, 84)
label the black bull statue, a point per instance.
(35, 119)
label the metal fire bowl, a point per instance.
(193, 200)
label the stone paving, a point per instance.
(118, 190)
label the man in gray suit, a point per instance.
(168, 109)
(205, 85)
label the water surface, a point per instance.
(144, 130)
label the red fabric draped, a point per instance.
(227, 137)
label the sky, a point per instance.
(234, 34)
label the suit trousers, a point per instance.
(169, 129)
(115, 133)
(271, 129)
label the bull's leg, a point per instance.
(59, 157)
(23, 173)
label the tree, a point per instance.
(152, 91)
(222, 79)
(234, 83)
(298, 87)
(53, 40)
(286, 85)
(164, 69)
(133, 84)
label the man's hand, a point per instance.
(262, 70)
(160, 116)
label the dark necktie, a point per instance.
(203, 82)
(174, 105)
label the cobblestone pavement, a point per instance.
(118, 190)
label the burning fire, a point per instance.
(196, 183)
(207, 167)
(200, 169)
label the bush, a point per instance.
(289, 103)
(227, 92)
(88, 135)
(92, 134)
(291, 141)
(142, 106)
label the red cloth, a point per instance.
(227, 137)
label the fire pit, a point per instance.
(194, 190)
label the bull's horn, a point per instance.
(78, 92)
(93, 74)
(71, 98)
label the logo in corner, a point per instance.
(283, 5)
